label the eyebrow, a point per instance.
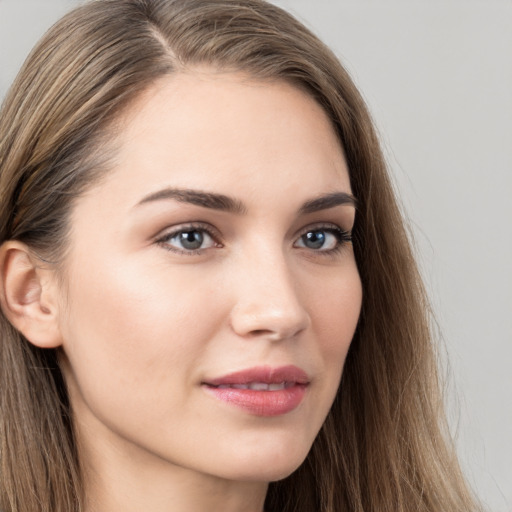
(327, 201)
(198, 198)
(225, 203)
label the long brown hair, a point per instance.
(383, 446)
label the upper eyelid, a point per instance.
(320, 226)
(189, 226)
(210, 229)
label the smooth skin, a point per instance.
(160, 294)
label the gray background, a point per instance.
(437, 76)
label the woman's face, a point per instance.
(212, 291)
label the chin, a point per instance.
(267, 464)
(271, 473)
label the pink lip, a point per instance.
(262, 402)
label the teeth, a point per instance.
(257, 386)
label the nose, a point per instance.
(267, 301)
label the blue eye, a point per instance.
(191, 239)
(323, 239)
(188, 239)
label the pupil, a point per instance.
(191, 239)
(314, 239)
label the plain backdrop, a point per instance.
(437, 76)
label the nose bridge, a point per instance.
(266, 300)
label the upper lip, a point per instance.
(264, 374)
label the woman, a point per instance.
(208, 296)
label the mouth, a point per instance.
(261, 391)
(258, 386)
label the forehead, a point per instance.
(215, 130)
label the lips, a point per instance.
(261, 391)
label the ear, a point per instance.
(28, 295)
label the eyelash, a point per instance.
(199, 227)
(343, 237)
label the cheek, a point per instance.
(334, 320)
(336, 308)
(128, 325)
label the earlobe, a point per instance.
(27, 295)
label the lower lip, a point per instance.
(261, 403)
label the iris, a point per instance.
(314, 239)
(191, 240)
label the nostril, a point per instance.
(260, 332)
(277, 331)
